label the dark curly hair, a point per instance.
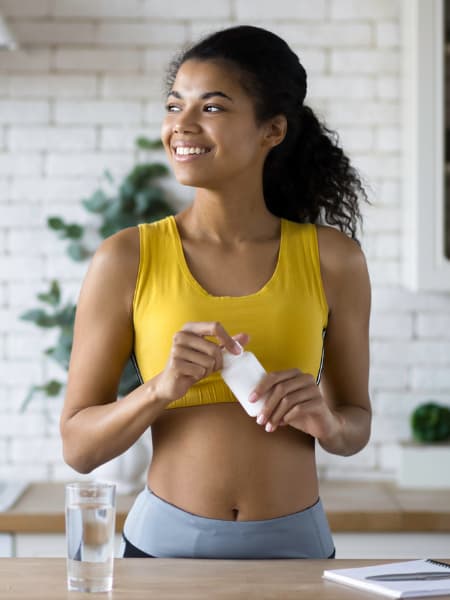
(306, 178)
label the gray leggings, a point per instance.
(157, 528)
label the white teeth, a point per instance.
(184, 150)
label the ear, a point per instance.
(275, 131)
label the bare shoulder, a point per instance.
(338, 252)
(120, 249)
(342, 262)
(113, 270)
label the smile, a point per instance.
(190, 150)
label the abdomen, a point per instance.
(215, 461)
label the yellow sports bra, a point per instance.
(286, 319)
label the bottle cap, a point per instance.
(228, 358)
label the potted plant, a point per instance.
(425, 460)
(138, 198)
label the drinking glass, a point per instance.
(90, 528)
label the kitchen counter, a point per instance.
(175, 579)
(350, 506)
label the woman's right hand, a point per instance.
(192, 357)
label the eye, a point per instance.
(173, 108)
(212, 108)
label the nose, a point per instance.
(181, 127)
(185, 123)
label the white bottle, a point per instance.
(242, 373)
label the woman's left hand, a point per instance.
(293, 398)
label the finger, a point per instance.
(242, 338)
(207, 361)
(183, 368)
(272, 379)
(190, 341)
(297, 402)
(296, 398)
(278, 394)
(216, 329)
(292, 414)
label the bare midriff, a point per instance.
(215, 461)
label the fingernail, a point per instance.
(238, 347)
(261, 419)
(269, 427)
(252, 397)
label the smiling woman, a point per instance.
(209, 113)
(251, 260)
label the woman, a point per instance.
(246, 262)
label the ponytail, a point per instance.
(310, 179)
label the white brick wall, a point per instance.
(365, 61)
(96, 60)
(22, 61)
(373, 10)
(53, 86)
(88, 80)
(61, 139)
(298, 10)
(25, 8)
(24, 111)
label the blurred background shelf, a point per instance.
(368, 520)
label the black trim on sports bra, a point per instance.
(135, 365)
(322, 358)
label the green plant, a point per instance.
(430, 422)
(138, 198)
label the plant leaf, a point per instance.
(146, 144)
(106, 230)
(55, 223)
(430, 422)
(77, 252)
(74, 231)
(66, 317)
(39, 317)
(32, 391)
(142, 201)
(97, 202)
(61, 355)
(108, 176)
(62, 349)
(52, 388)
(53, 296)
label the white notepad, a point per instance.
(410, 579)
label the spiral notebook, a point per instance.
(410, 579)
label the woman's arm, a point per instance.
(94, 427)
(345, 377)
(337, 413)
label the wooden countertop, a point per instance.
(175, 579)
(350, 506)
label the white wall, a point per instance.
(88, 79)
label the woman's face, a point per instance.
(210, 133)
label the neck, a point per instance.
(229, 217)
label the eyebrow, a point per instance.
(205, 96)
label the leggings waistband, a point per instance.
(161, 529)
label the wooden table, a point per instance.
(350, 507)
(183, 579)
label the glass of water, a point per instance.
(90, 528)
